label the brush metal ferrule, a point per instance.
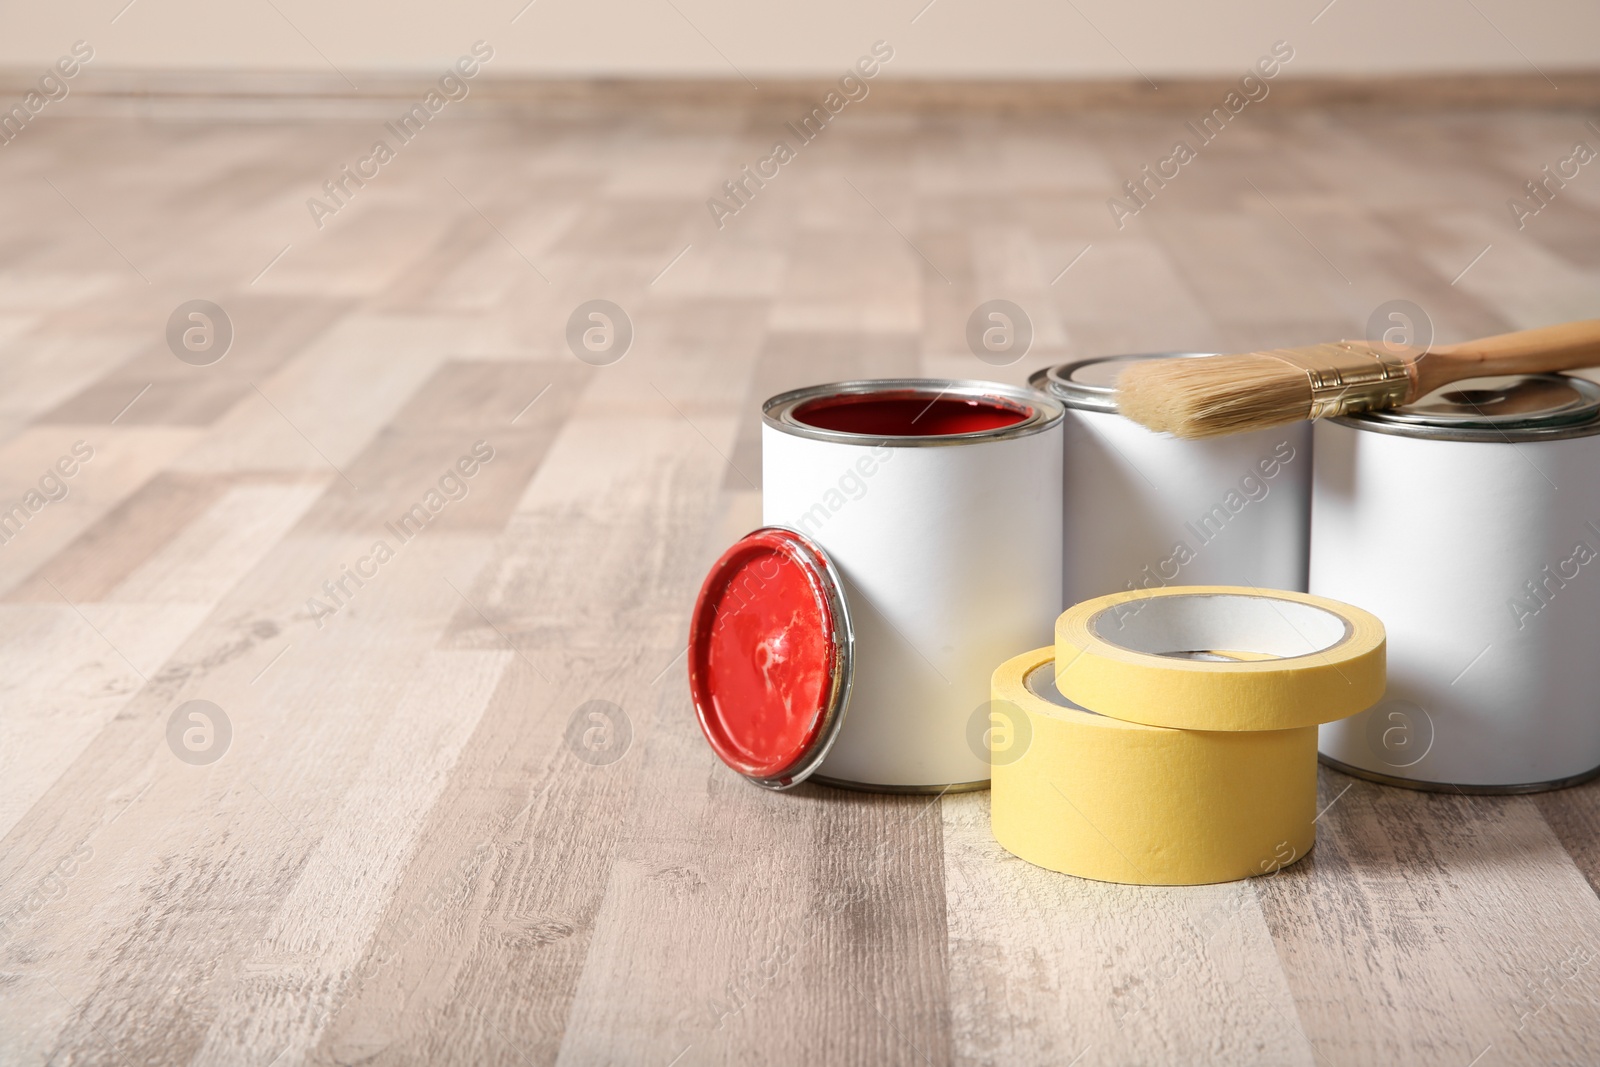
(1347, 378)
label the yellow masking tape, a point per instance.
(1100, 798)
(1299, 660)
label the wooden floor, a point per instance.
(458, 811)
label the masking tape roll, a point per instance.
(1100, 798)
(1156, 657)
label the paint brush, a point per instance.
(1217, 395)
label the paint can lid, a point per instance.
(1091, 384)
(771, 656)
(1517, 407)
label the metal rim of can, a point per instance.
(1579, 418)
(828, 584)
(1058, 381)
(1041, 411)
(900, 790)
(1425, 785)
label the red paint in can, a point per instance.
(894, 414)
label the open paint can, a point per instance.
(1144, 510)
(1469, 522)
(913, 541)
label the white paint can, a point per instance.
(1469, 522)
(939, 503)
(1146, 510)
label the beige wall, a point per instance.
(959, 38)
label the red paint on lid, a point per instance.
(765, 655)
(902, 414)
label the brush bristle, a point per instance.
(1216, 395)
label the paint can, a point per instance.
(1469, 522)
(912, 542)
(1144, 510)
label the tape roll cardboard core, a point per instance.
(1176, 625)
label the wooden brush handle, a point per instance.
(1568, 346)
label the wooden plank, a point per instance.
(1432, 927)
(631, 226)
(323, 407)
(110, 465)
(532, 912)
(505, 881)
(514, 408)
(830, 269)
(264, 608)
(74, 664)
(212, 553)
(1523, 282)
(229, 839)
(828, 949)
(1056, 969)
(1574, 817)
(100, 557)
(67, 675)
(39, 370)
(267, 332)
(299, 973)
(363, 249)
(1130, 294)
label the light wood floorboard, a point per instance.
(406, 852)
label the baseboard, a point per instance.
(247, 93)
